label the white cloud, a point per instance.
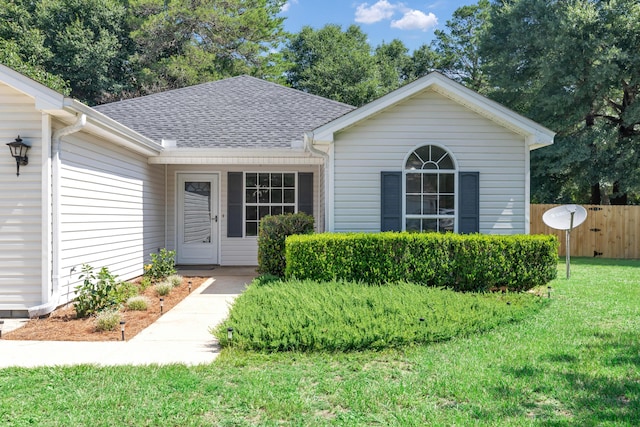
(379, 11)
(415, 20)
(287, 5)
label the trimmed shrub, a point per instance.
(137, 303)
(271, 238)
(460, 262)
(107, 320)
(163, 288)
(175, 280)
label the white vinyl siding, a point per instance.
(382, 143)
(20, 205)
(233, 250)
(112, 210)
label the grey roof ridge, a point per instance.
(180, 89)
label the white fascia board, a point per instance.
(452, 90)
(45, 98)
(106, 127)
(234, 156)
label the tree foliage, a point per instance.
(573, 66)
(182, 42)
(457, 46)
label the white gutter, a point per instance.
(308, 146)
(56, 142)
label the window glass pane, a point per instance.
(251, 180)
(289, 196)
(251, 196)
(413, 162)
(446, 163)
(413, 224)
(430, 181)
(276, 210)
(251, 228)
(289, 209)
(413, 205)
(289, 180)
(263, 211)
(446, 225)
(413, 182)
(276, 196)
(424, 153)
(437, 153)
(429, 205)
(276, 180)
(447, 183)
(447, 205)
(430, 225)
(263, 179)
(252, 213)
(430, 166)
(264, 195)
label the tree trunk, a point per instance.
(618, 198)
(596, 197)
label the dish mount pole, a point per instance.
(568, 244)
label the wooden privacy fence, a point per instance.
(608, 232)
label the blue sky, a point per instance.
(411, 21)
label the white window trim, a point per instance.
(244, 198)
(404, 184)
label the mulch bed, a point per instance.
(63, 325)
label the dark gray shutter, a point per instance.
(234, 204)
(391, 201)
(305, 192)
(469, 202)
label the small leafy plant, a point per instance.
(162, 265)
(97, 292)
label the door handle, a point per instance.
(215, 218)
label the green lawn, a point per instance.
(574, 363)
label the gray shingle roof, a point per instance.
(239, 112)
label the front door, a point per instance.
(197, 219)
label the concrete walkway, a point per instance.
(180, 336)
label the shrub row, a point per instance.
(460, 262)
(271, 237)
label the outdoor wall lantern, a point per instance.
(19, 152)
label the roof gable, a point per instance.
(535, 134)
(238, 112)
(45, 98)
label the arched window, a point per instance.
(430, 183)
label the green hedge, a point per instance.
(462, 262)
(271, 236)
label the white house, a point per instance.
(195, 169)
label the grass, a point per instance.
(297, 315)
(574, 363)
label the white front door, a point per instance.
(198, 217)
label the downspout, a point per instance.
(56, 167)
(308, 145)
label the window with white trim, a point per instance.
(430, 176)
(267, 193)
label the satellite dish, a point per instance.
(565, 217)
(561, 217)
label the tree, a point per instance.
(394, 65)
(185, 42)
(457, 46)
(333, 63)
(573, 66)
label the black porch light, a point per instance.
(19, 152)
